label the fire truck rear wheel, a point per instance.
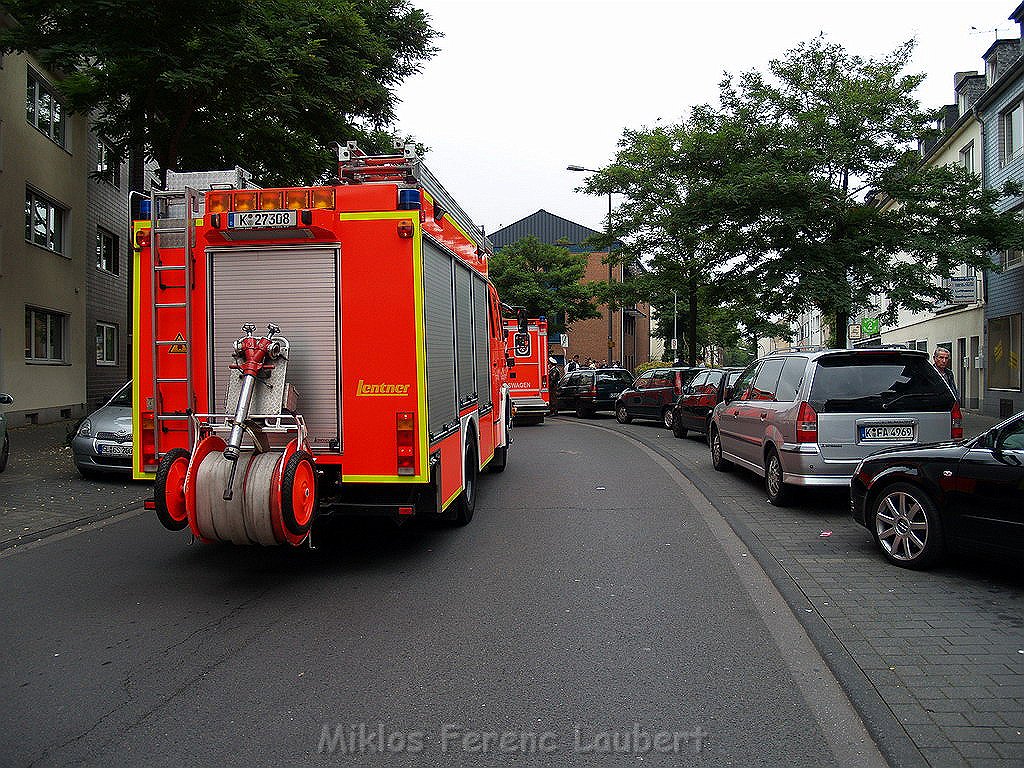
(169, 489)
(466, 504)
(298, 493)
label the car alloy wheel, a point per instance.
(718, 461)
(622, 415)
(668, 418)
(907, 526)
(777, 490)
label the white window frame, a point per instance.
(108, 168)
(41, 100)
(56, 324)
(1012, 132)
(967, 157)
(55, 222)
(106, 344)
(104, 261)
(1012, 258)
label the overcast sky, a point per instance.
(522, 88)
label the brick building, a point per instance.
(630, 327)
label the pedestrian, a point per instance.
(940, 359)
(573, 365)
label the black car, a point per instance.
(653, 393)
(692, 409)
(922, 501)
(587, 391)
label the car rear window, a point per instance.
(614, 376)
(888, 383)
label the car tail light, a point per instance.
(956, 430)
(592, 391)
(807, 424)
(406, 434)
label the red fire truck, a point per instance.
(527, 344)
(380, 386)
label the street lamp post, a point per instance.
(611, 275)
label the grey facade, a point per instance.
(1003, 160)
(107, 277)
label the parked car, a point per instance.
(102, 444)
(921, 502)
(692, 409)
(808, 418)
(5, 439)
(652, 395)
(588, 391)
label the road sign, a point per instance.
(853, 332)
(675, 344)
(563, 339)
(870, 326)
(963, 290)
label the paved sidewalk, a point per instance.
(933, 661)
(41, 492)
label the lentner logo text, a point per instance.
(381, 390)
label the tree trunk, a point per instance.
(842, 320)
(691, 320)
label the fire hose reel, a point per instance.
(260, 491)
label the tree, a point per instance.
(831, 205)
(266, 84)
(544, 278)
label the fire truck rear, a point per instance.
(380, 384)
(527, 343)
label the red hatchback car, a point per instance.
(692, 411)
(652, 395)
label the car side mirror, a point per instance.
(5, 399)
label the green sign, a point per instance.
(870, 326)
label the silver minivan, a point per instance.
(807, 418)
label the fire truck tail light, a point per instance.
(245, 201)
(405, 228)
(147, 421)
(142, 238)
(323, 197)
(271, 201)
(296, 199)
(218, 202)
(405, 427)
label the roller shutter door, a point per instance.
(438, 313)
(296, 289)
(464, 333)
(483, 348)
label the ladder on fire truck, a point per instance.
(171, 282)
(356, 167)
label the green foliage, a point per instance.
(265, 84)
(545, 279)
(823, 129)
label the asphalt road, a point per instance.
(596, 602)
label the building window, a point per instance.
(44, 110)
(108, 166)
(44, 222)
(1013, 132)
(1004, 352)
(967, 158)
(45, 334)
(106, 344)
(990, 71)
(108, 252)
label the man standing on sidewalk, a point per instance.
(940, 358)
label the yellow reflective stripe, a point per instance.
(371, 215)
(453, 498)
(137, 474)
(381, 479)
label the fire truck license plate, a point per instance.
(889, 432)
(115, 450)
(262, 219)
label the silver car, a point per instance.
(808, 418)
(103, 442)
(5, 440)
